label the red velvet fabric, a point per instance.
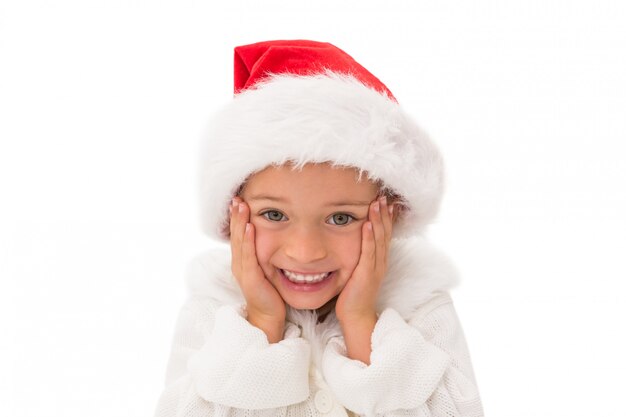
(302, 57)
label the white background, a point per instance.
(101, 107)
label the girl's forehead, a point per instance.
(311, 178)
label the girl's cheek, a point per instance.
(350, 249)
(264, 243)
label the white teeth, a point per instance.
(301, 279)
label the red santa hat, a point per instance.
(303, 102)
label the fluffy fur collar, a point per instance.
(417, 272)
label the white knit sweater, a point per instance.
(221, 365)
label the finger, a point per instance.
(385, 211)
(367, 260)
(248, 252)
(242, 216)
(233, 211)
(379, 233)
(239, 218)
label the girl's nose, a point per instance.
(305, 245)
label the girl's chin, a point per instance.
(310, 304)
(306, 304)
(322, 309)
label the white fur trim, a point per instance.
(313, 119)
(418, 273)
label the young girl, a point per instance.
(327, 300)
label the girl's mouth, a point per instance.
(304, 278)
(306, 282)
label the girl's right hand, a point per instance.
(266, 308)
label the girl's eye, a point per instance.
(273, 215)
(341, 219)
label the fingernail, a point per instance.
(377, 206)
(230, 209)
(247, 227)
(240, 208)
(390, 208)
(383, 200)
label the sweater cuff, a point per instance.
(404, 369)
(238, 367)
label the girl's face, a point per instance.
(308, 228)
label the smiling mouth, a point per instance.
(304, 278)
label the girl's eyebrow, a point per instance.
(348, 203)
(266, 197)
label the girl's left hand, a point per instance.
(357, 301)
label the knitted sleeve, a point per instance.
(222, 365)
(418, 368)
